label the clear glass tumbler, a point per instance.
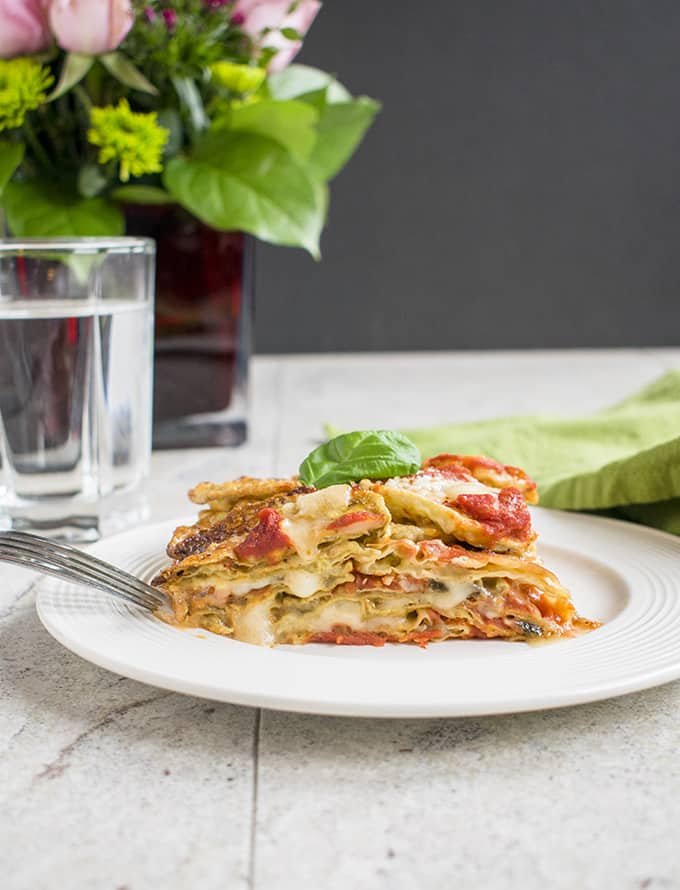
(76, 340)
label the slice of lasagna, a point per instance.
(446, 553)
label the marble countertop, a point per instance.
(108, 783)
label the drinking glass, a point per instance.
(76, 339)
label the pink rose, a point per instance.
(254, 16)
(23, 28)
(90, 26)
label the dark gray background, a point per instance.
(520, 188)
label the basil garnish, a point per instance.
(366, 454)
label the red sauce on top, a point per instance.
(503, 516)
(266, 541)
(472, 462)
(466, 461)
(453, 470)
(358, 516)
(477, 460)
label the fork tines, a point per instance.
(69, 563)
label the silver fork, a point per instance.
(71, 564)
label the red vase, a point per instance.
(204, 285)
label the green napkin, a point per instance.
(624, 460)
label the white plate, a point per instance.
(624, 575)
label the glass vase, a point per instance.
(203, 328)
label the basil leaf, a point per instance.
(367, 454)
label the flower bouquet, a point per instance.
(182, 120)
(107, 103)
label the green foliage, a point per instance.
(11, 155)
(342, 126)
(40, 209)
(297, 81)
(91, 180)
(75, 66)
(184, 111)
(366, 454)
(127, 73)
(245, 181)
(141, 194)
(292, 124)
(199, 37)
(342, 121)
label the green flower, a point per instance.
(238, 78)
(23, 87)
(133, 139)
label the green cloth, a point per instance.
(624, 460)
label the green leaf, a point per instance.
(291, 124)
(343, 121)
(124, 71)
(91, 180)
(141, 194)
(367, 454)
(291, 34)
(296, 81)
(40, 209)
(190, 98)
(75, 67)
(342, 126)
(169, 119)
(11, 155)
(244, 181)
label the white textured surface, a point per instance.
(106, 783)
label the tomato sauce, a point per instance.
(441, 552)
(266, 541)
(356, 518)
(503, 516)
(347, 638)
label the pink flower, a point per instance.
(90, 26)
(23, 28)
(256, 16)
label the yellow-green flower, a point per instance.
(240, 79)
(23, 87)
(133, 139)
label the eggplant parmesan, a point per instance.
(445, 553)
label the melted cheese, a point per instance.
(389, 615)
(298, 582)
(442, 600)
(301, 583)
(336, 612)
(305, 519)
(438, 487)
(346, 613)
(253, 623)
